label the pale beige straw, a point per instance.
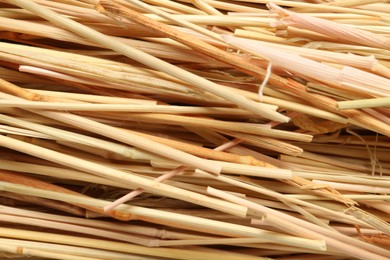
(163, 177)
(147, 59)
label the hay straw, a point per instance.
(331, 29)
(132, 180)
(364, 103)
(353, 250)
(234, 130)
(147, 59)
(196, 223)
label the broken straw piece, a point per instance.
(179, 170)
(347, 76)
(289, 61)
(329, 28)
(348, 59)
(368, 81)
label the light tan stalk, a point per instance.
(147, 59)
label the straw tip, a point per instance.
(108, 209)
(273, 7)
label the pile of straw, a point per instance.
(195, 129)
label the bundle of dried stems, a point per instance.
(195, 129)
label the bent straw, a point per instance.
(162, 178)
(147, 59)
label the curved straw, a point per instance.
(266, 78)
(163, 177)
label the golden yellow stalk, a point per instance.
(113, 246)
(107, 130)
(148, 59)
(110, 173)
(66, 249)
(364, 103)
(176, 220)
(293, 225)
